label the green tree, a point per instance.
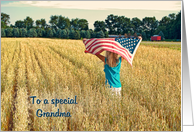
(54, 32)
(38, 23)
(3, 25)
(170, 26)
(15, 32)
(32, 33)
(28, 22)
(23, 32)
(144, 37)
(161, 28)
(177, 26)
(92, 33)
(88, 34)
(161, 34)
(82, 24)
(74, 24)
(172, 16)
(106, 34)
(60, 22)
(40, 32)
(64, 34)
(50, 33)
(127, 27)
(63, 22)
(9, 32)
(72, 34)
(5, 18)
(12, 26)
(68, 31)
(99, 25)
(149, 25)
(136, 23)
(20, 24)
(100, 34)
(83, 34)
(174, 26)
(3, 34)
(53, 21)
(58, 34)
(76, 35)
(118, 24)
(110, 23)
(43, 23)
(164, 21)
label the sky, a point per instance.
(89, 10)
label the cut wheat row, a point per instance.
(8, 52)
(7, 97)
(20, 119)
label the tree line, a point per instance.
(169, 27)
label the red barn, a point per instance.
(156, 38)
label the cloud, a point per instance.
(100, 5)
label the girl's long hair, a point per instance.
(112, 58)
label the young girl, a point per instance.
(112, 65)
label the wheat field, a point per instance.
(59, 69)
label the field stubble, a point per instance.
(49, 69)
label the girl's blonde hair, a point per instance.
(112, 58)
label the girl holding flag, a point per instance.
(112, 66)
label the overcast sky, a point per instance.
(90, 10)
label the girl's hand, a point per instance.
(86, 51)
(139, 37)
(84, 39)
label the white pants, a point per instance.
(117, 91)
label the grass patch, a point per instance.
(170, 45)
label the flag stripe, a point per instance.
(104, 41)
(114, 47)
(88, 44)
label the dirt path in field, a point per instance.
(30, 111)
(14, 94)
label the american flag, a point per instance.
(125, 47)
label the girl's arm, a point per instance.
(102, 58)
(122, 59)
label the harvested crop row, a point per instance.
(8, 89)
(21, 114)
(10, 55)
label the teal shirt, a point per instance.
(112, 74)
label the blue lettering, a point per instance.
(37, 113)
